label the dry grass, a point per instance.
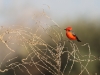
(41, 54)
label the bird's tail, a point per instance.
(78, 39)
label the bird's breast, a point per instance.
(70, 36)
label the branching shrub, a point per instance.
(52, 56)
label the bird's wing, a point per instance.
(76, 36)
(73, 33)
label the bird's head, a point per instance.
(68, 29)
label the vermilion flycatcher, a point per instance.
(70, 34)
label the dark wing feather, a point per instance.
(76, 37)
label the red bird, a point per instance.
(70, 34)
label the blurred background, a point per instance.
(82, 15)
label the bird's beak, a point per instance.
(64, 29)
